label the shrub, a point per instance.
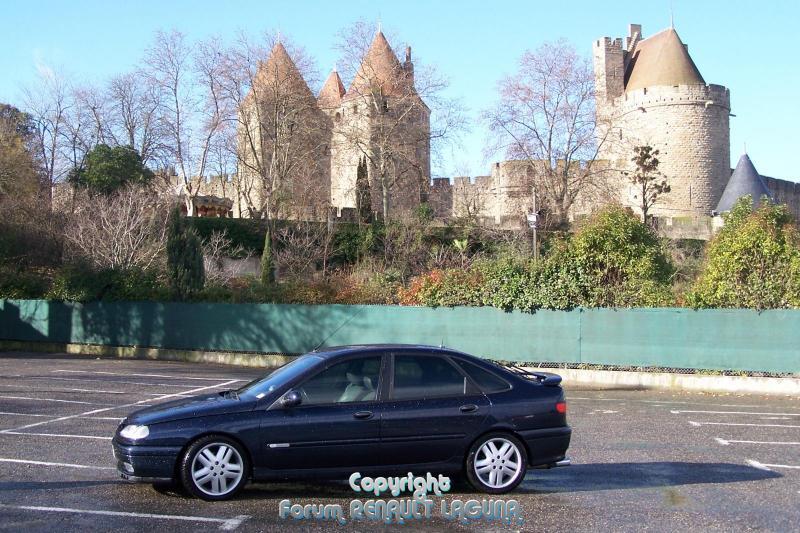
(754, 261)
(444, 288)
(21, 284)
(79, 283)
(613, 261)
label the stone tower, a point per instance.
(380, 120)
(649, 91)
(284, 144)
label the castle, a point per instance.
(368, 147)
(650, 92)
(300, 155)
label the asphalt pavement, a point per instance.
(641, 460)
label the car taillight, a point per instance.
(561, 408)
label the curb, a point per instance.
(677, 382)
(259, 360)
(605, 378)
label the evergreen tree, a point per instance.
(184, 257)
(267, 266)
(363, 193)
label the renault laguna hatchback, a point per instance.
(378, 410)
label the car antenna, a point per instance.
(343, 324)
(441, 345)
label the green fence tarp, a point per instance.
(735, 339)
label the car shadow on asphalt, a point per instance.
(614, 476)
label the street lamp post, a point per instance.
(533, 223)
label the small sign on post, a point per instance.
(533, 220)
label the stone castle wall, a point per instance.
(785, 192)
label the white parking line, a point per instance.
(7, 413)
(107, 381)
(698, 424)
(727, 442)
(656, 403)
(94, 391)
(226, 524)
(66, 435)
(139, 403)
(735, 413)
(50, 400)
(768, 467)
(141, 375)
(65, 465)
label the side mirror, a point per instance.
(291, 399)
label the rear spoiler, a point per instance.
(545, 378)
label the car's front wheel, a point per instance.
(496, 463)
(214, 468)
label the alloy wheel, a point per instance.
(217, 469)
(498, 463)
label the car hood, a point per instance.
(205, 405)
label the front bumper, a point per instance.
(546, 446)
(145, 464)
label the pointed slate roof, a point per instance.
(744, 180)
(379, 68)
(280, 70)
(332, 91)
(661, 59)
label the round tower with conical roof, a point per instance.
(650, 92)
(283, 140)
(381, 121)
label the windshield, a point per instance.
(262, 386)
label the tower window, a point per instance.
(385, 106)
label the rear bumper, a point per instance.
(145, 464)
(546, 446)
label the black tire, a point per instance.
(228, 484)
(501, 466)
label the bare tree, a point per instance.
(545, 115)
(302, 247)
(396, 116)
(190, 113)
(123, 230)
(48, 102)
(133, 105)
(223, 261)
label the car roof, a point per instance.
(340, 351)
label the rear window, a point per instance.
(417, 377)
(487, 381)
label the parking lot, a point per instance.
(641, 459)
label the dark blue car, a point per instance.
(378, 410)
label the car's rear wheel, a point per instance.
(496, 463)
(214, 468)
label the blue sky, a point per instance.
(751, 47)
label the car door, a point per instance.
(336, 424)
(432, 413)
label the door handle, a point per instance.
(470, 408)
(362, 415)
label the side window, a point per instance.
(487, 381)
(417, 377)
(355, 380)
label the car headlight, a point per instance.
(134, 432)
